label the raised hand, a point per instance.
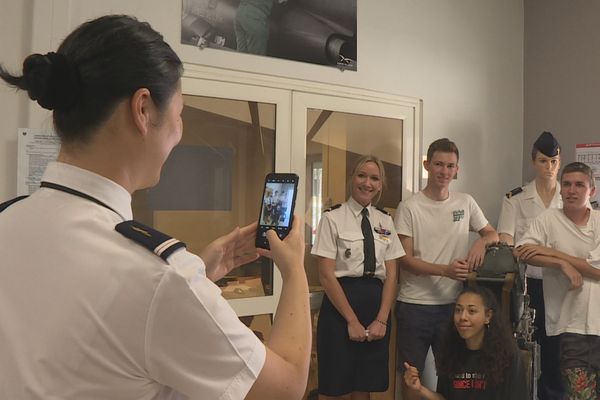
(230, 251)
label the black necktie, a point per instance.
(368, 243)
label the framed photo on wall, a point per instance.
(313, 31)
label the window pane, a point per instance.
(212, 182)
(334, 142)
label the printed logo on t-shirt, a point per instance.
(469, 381)
(457, 215)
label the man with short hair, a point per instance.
(566, 242)
(433, 226)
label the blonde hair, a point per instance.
(362, 161)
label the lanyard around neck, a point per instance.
(77, 193)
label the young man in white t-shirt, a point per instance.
(433, 226)
(567, 243)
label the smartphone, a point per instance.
(277, 207)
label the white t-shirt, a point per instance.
(519, 210)
(340, 238)
(574, 311)
(440, 233)
(89, 314)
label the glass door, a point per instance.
(330, 133)
(233, 136)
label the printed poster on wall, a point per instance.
(35, 150)
(589, 153)
(313, 31)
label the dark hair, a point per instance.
(579, 167)
(497, 350)
(100, 63)
(444, 145)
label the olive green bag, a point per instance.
(498, 261)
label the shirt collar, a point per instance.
(92, 184)
(356, 208)
(530, 190)
(557, 199)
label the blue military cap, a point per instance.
(547, 144)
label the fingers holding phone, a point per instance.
(277, 206)
(288, 253)
(278, 229)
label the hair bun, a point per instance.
(51, 80)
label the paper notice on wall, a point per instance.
(589, 153)
(35, 151)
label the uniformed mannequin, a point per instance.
(96, 306)
(519, 207)
(354, 322)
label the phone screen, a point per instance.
(277, 206)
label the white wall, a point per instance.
(562, 78)
(15, 32)
(464, 58)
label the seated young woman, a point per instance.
(480, 357)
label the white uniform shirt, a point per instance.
(574, 311)
(88, 314)
(519, 210)
(340, 238)
(440, 233)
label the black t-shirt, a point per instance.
(470, 383)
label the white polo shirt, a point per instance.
(519, 210)
(88, 314)
(574, 311)
(440, 233)
(340, 238)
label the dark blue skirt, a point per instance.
(345, 366)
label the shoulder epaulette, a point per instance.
(382, 210)
(332, 208)
(157, 242)
(6, 204)
(513, 192)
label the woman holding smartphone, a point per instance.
(97, 306)
(480, 359)
(357, 247)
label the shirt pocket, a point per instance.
(350, 246)
(381, 245)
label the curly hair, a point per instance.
(498, 346)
